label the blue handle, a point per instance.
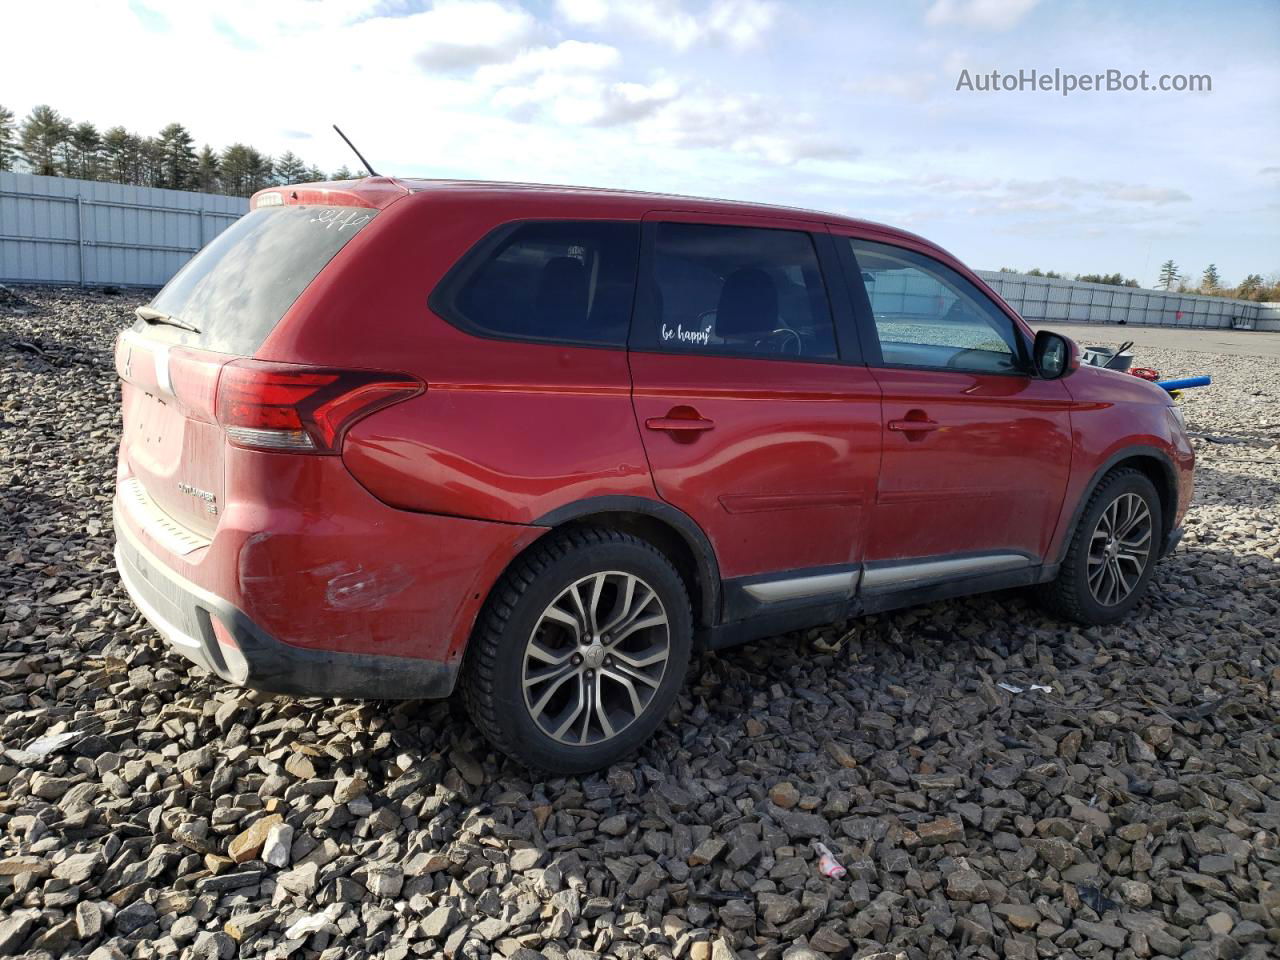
(1184, 383)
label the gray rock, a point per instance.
(135, 916)
(1137, 797)
(384, 879)
(14, 931)
(1107, 933)
(439, 922)
(88, 920)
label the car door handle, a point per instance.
(679, 424)
(913, 426)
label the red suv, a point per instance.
(387, 438)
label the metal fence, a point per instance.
(1042, 299)
(58, 230)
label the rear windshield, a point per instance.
(238, 287)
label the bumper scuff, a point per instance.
(183, 612)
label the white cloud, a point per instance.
(577, 101)
(587, 12)
(991, 14)
(623, 103)
(1039, 194)
(457, 34)
(740, 24)
(908, 85)
(1158, 196)
(567, 57)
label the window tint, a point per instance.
(238, 287)
(927, 315)
(560, 281)
(741, 290)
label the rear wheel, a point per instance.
(580, 651)
(1109, 563)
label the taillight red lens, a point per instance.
(289, 407)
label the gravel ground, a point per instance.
(1130, 810)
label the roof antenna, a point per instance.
(372, 172)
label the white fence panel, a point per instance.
(1043, 299)
(59, 230)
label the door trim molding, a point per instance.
(887, 576)
(751, 596)
(793, 588)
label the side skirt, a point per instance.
(757, 619)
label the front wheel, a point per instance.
(1113, 552)
(580, 651)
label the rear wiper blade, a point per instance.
(152, 315)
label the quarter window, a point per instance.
(927, 315)
(555, 281)
(735, 290)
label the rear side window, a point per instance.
(565, 281)
(237, 288)
(735, 290)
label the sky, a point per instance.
(850, 107)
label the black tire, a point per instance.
(1075, 595)
(494, 672)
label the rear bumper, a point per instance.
(184, 614)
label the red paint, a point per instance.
(989, 474)
(784, 477)
(393, 546)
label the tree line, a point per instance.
(1252, 287)
(47, 143)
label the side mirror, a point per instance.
(1054, 355)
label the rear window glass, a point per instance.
(564, 281)
(238, 287)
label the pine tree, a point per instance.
(207, 170)
(85, 147)
(289, 168)
(177, 158)
(1210, 279)
(44, 136)
(119, 155)
(261, 170)
(236, 169)
(49, 144)
(1168, 274)
(6, 138)
(1249, 285)
(151, 158)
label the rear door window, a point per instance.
(565, 281)
(241, 284)
(743, 291)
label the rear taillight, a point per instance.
(292, 408)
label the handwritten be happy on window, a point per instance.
(698, 338)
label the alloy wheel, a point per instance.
(1119, 549)
(596, 658)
